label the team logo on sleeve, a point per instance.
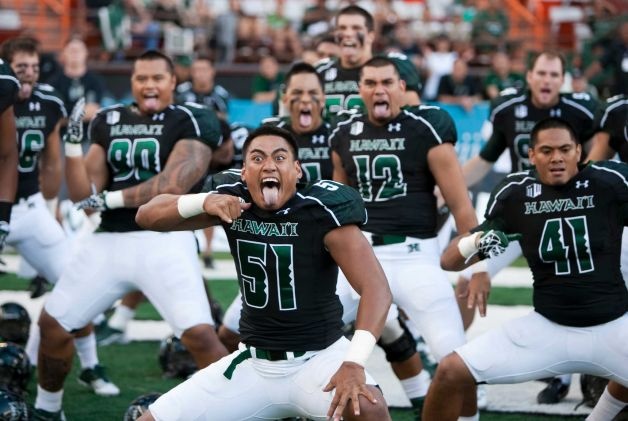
(331, 74)
(357, 128)
(533, 190)
(521, 111)
(113, 117)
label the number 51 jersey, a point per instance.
(137, 147)
(287, 277)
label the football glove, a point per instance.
(102, 201)
(493, 243)
(74, 132)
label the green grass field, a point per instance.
(135, 369)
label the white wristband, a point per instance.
(190, 205)
(51, 204)
(360, 347)
(114, 199)
(73, 150)
(478, 267)
(467, 246)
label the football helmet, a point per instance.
(12, 407)
(15, 368)
(15, 323)
(139, 406)
(174, 358)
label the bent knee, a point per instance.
(375, 411)
(452, 370)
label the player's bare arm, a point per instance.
(163, 212)
(339, 173)
(600, 147)
(475, 169)
(187, 163)
(355, 257)
(8, 156)
(84, 174)
(50, 166)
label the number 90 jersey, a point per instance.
(287, 277)
(137, 147)
(9, 86)
(388, 166)
(571, 238)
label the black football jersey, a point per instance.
(614, 121)
(35, 118)
(571, 238)
(341, 85)
(138, 146)
(388, 166)
(287, 277)
(9, 85)
(513, 116)
(313, 149)
(216, 100)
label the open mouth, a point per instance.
(270, 191)
(151, 101)
(305, 118)
(381, 109)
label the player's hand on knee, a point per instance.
(478, 291)
(493, 243)
(224, 206)
(349, 383)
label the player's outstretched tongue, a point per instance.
(270, 191)
(380, 109)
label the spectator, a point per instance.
(405, 43)
(501, 76)
(267, 80)
(226, 34)
(75, 80)
(490, 27)
(616, 58)
(438, 62)
(459, 87)
(326, 47)
(284, 41)
(580, 84)
(316, 19)
(182, 64)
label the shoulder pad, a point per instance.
(344, 203)
(45, 87)
(222, 181)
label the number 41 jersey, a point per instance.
(287, 277)
(138, 146)
(571, 236)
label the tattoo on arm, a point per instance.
(187, 163)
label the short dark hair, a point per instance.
(267, 130)
(551, 123)
(22, 44)
(357, 10)
(301, 67)
(379, 61)
(153, 55)
(550, 54)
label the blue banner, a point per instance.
(469, 126)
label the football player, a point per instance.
(136, 152)
(355, 35)
(304, 99)
(288, 241)
(9, 86)
(569, 219)
(513, 114)
(35, 233)
(394, 157)
(613, 138)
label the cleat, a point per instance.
(107, 335)
(38, 286)
(95, 379)
(41, 415)
(208, 261)
(553, 393)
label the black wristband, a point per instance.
(5, 211)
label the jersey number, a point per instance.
(255, 281)
(312, 171)
(386, 168)
(31, 143)
(137, 159)
(339, 102)
(554, 248)
(522, 144)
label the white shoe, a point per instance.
(95, 379)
